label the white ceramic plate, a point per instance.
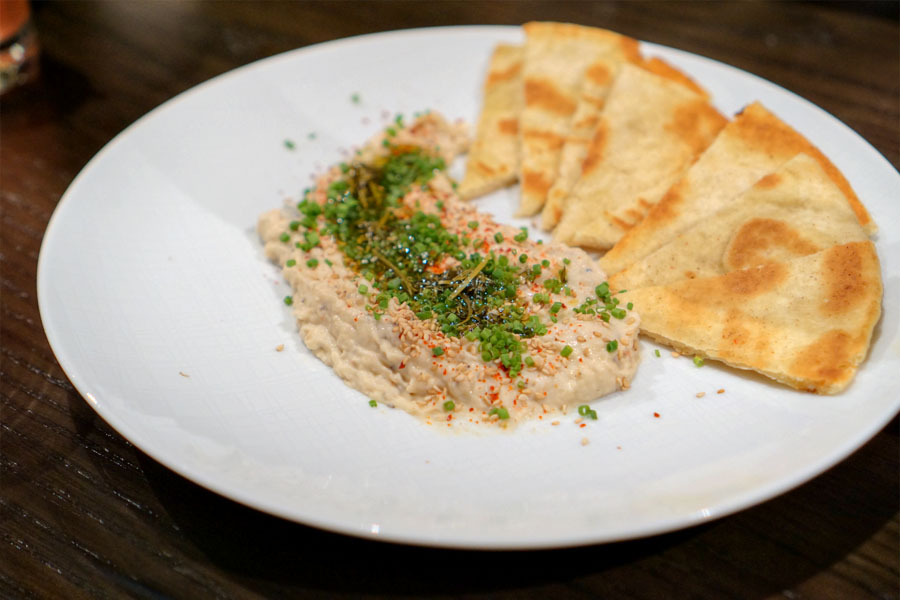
(164, 314)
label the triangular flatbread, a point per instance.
(493, 160)
(755, 143)
(793, 212)
(806, 322)
(597, 82)
(650, 131)
(557, 56)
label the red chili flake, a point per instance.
(656, 415)
(402, 365)
(583, 425)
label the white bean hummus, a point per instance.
(423, 303)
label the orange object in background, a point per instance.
(13, 15)
(18, 44)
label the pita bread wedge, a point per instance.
(649, 133)
(594, 90)
(493, 160)
(755, 143)
(806, 322)
(793, 212)
(557, 56)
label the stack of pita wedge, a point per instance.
(736, 241)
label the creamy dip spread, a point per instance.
(420, 302)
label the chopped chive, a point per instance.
(566, 351)
(284, 237)
(290, 262)
(372, 403)
(523, 258)
(498, 237)
(354, 98)
(500, 411)
(529, 361)
(473, 224)
(363, 288)
(583, 410)
(698, 361)
(312, 263)
(289, 144)
(288, 300)
(612, 346)
(630, 305)
(657, 353)
(566, 261)
(449, 405)
(294, 225)
(437, 351)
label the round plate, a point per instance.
(163, 312)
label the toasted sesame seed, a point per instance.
(279, 347)
(721, 391)
(674, 354)
(585, 441)
(701, 394)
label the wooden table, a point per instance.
(85, 514)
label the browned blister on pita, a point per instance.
(493, 160)
(755, 143)
(795, 211)
(806, 323)
(649, 133)
(557, 56)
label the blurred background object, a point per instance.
(18, 44)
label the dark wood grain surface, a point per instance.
(85, 514)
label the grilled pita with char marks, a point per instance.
(493, 160)
(755, 143)
(649, 133)
(597, 81)
(806, 323)
(793, 212)
(557, 56)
